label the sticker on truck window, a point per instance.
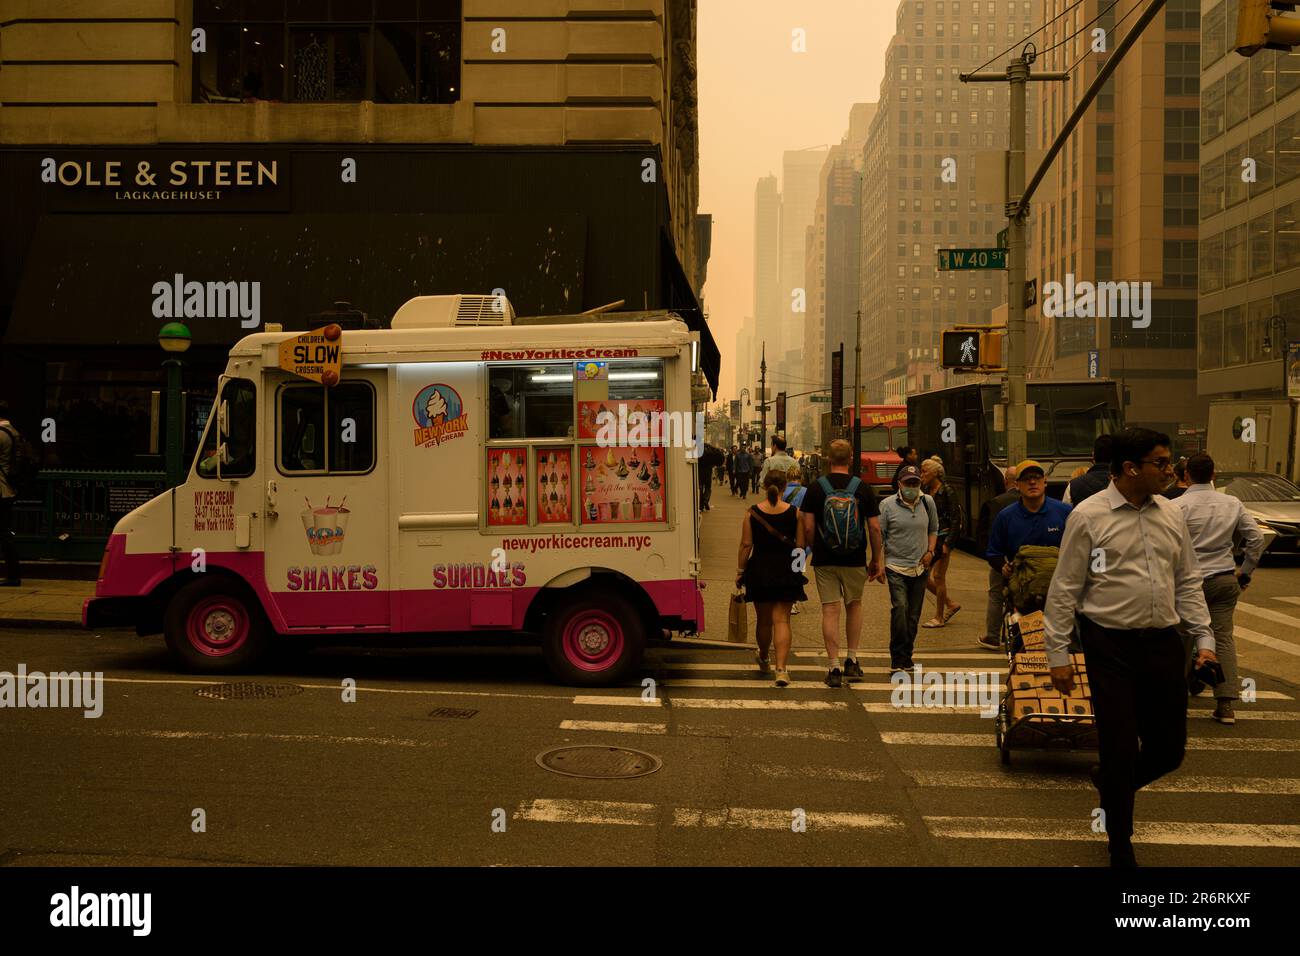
(439, 414)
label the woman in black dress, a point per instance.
(771, 547)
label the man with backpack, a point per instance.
(841, 516)
(744, 465)
(15, 460)
(1036, 522)
(909, 522)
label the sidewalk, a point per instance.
(719, 547)
(44, 603)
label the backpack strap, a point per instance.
(854, 483)
(824, 483)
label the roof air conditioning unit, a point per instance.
(449, 311)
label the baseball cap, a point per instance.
(1029, 465)
(911, 471)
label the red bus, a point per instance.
(883, 428)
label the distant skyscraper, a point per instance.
(767, 262)
(800, 178)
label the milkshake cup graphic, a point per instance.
(613, 510)
(326, 527)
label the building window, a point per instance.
(1183, 15)
(1286, 232)
(1211, 269)
(1261, 246)
(1180, 135)
(1183, 69)
(1237, 95)
(1234, 187)
(1234, 336)
(1105, 147)
(1212, 190)
(1235, 256)
(1214, 34)
(1212, 117)
(329, 51)
(1263, 73)
(1210, 346)
(1180, 200)
(1287, 157)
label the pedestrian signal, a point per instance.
(961, 350)
(1261, 26)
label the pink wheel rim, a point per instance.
(217, 626)
(593, 640)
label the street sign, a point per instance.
(837, 383)
(1002, 239)
(951, 260)
(1031, 293)
(961, 350)
(820, 398)
(1094, 363)
(315, 355)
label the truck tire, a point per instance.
(591, 641)
(211, 627)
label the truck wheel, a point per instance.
(592, 641)
(212, 628)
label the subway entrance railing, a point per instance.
(68, 515)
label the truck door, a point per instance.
(327, 527)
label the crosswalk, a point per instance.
(865, 758)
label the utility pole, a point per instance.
(762, 397)
(857, 399)
(1017, 210)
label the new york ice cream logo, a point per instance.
(439, 415)
(326, 527)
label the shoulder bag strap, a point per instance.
(784, 539)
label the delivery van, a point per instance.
(453, 473)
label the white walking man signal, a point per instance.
(968, 351)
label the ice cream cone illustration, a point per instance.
(610, 462)
(591, 463)
(622, 468)
(644, 474)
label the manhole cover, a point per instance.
(611, 763)
(247, 690)
(452, 713)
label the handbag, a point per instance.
(738, 619)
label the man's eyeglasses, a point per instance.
(1161, 463)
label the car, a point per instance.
(1272, 501)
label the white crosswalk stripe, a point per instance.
(614, 726)
(1247, 634)
(1174, 783)
(1201, 833)
(925, 739)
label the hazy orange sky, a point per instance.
(759, 98)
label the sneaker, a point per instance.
(852, 669)
(764, 666)
(833, 678)
(1223, 713)
(782, 678)
(989, 643)
(794, 608)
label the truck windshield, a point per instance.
(241, 444)
(1068, 421)
(875, 439)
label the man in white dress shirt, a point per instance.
(1127, 567)
(1217, 522)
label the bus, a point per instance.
(1068, 418)
(883, 429)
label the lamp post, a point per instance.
(174, 338)
(1278, 323)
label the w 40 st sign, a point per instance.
(954, 259)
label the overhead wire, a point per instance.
(1023, 39)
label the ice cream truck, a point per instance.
(462, 471)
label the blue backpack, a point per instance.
(794, 494)
(841, 523)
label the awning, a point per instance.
(680, 297)
(90, 279)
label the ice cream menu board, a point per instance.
(636, 414)
(506, 486)
(622, 484)
(554, 495)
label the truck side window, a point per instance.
(530, 401)
(327, 431)
(241, 443)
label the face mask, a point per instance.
(910, 493)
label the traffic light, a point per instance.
(1261, 26)
(961, 350)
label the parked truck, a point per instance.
(1255, 435)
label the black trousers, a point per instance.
(7, 544)
(1139, 694)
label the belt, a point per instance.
(1139, 631)
(1218, 574)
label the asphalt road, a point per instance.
(311, 779)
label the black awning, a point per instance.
(680, 297)
(90, 279)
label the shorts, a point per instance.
(839, 583)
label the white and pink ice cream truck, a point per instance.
(444, 475)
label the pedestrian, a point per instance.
(841, 517)
(731, 469)
(794, 493)
(744, 466)
(1180, 482)
(1128, 572)
(994, 610)
(1218, 524)
(950, 528)
(8, 495)
(1095, 479)
(771, 540)
(1035, 519)
(710, 458)
(909, 524)
(909, 456)
(779, 459)
(757, 470)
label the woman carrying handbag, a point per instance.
(771, 547)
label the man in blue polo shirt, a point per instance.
(1034, 519)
